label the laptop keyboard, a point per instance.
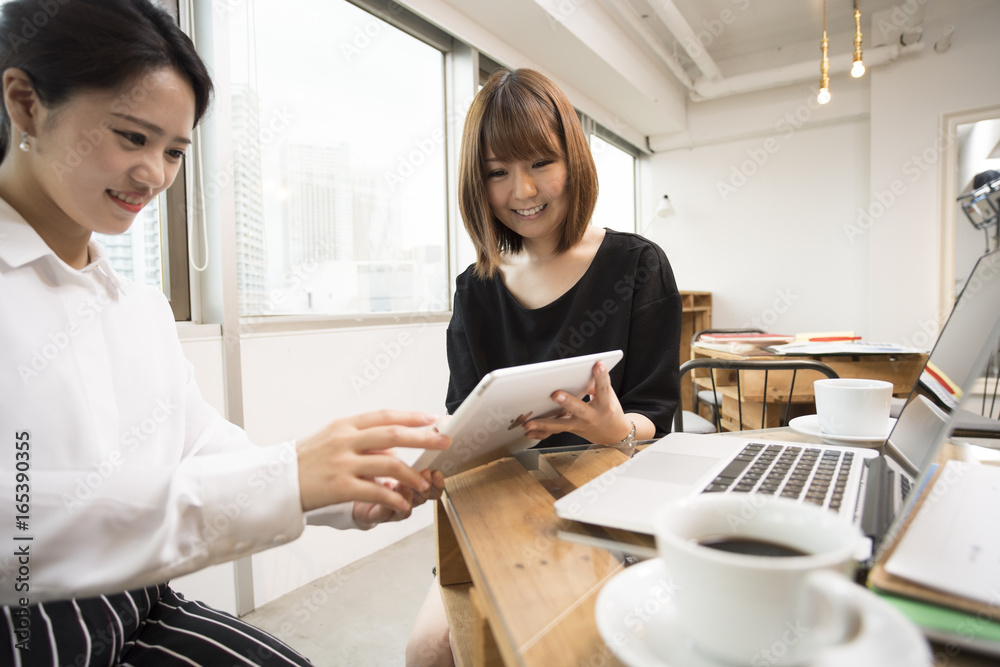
(802, 473)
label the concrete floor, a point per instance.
(360, 615)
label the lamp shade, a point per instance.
(664, 209)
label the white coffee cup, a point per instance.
(853, 407)
(755, 609)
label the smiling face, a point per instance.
(98, 159)
(529, 197)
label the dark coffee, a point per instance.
(751, 547)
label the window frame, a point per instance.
(175, 273)
(593, 128)
(413, 25)
(183, 284)
(177, 276)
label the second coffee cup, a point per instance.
(853, 407)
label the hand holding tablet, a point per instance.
(490, 422)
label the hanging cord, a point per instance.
(198, 180)
(199, 213)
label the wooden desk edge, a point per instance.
(463, 604)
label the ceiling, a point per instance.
(732, 31)
(648, 60)
(716, 48)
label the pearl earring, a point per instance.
(24, 145)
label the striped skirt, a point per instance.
(151, 626)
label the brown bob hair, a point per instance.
(517, 114)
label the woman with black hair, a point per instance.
(120, 475)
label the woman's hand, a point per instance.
(600, 421)
(341, 462)
(368, 514)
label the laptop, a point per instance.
(867, 486)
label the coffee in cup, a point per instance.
(760, 579)
(853, 407)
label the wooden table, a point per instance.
(902, 370)
(515, 592)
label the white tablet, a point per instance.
(490, 422)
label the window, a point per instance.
(339, 160)
(616, 169)
(136, 254)
(154, 249)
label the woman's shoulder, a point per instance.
(468, 277)
(469, 283)
(631, 243)
(647, 258)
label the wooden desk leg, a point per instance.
(451, 568)
(485, 653)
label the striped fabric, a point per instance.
(151, 626)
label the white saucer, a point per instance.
(809, 425)
(637, 619)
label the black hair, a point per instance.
(66, 46)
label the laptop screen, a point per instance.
(961, 352)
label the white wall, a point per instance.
(907, 103)
(202, 346)
(772, 248)
(843, 213)
(295, 383)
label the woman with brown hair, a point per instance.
(547, 284)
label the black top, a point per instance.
(626, 300)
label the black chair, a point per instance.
(980, 417)
(766, 365)
(710, 398)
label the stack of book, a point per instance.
(742, 343)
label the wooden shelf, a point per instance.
(696, 314)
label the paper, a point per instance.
(841, 347)
(953, 544)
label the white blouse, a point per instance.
(114, 472)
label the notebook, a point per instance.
(948, 545)
(489, 424)
(867, 486)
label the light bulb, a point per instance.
(824, 65)
(859, 67)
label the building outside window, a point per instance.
(136, 254)
(339, 171)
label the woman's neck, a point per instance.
(69, 241)
(538, 277)
(539, 250)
